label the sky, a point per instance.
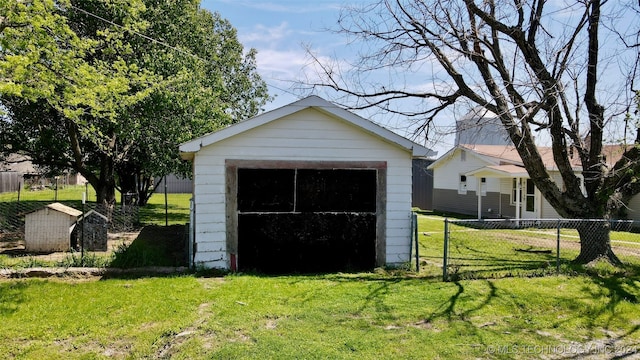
(281, 31)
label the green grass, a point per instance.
(152, 213)
(497, 253)
(66, 193)
(341, 316)
(389, 313)
(177, 211)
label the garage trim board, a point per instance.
(297, 205)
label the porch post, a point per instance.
(479, 192)
(518, 191)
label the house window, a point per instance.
(463, 155)
(531, 196)
(483, 186)
(514, 191)
(462, 186)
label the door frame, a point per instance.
(535, 214)
(231, 196)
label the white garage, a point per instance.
(308, 187)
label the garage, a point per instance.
(306, 188)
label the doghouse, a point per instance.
(49, 229)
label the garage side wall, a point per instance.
(308, 135)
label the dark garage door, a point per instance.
(306, 220)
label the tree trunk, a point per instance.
(595, 242)
(145, 189)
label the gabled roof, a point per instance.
(91, 213)
(500, 155)
(188, 149)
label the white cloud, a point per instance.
(262, 35)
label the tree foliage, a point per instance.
(541, 66)
(109, 88)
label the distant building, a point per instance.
(17, 170)
(481, 127)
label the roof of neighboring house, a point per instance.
(509, 154)
(18, 163)
(188, 149)
(504, 160)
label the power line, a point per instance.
(161, 43)
(138, 33)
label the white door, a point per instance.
(531, 201)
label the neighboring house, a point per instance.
(490, 181)
(306, 187)
(13, 171)
(18, 170)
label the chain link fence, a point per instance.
(120, 218)
(503, 248)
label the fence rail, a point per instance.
(501, 248)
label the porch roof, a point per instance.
(500, 171)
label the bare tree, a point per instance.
(538, 66)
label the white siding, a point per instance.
(48, 230)
(308, 135)
(633, 208)
(547, 211)
(447, 176)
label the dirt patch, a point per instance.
(16, 247)
(167, 244)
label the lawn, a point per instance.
(386, 313)
(383, 314)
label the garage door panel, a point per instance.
(341, 190)
(310, 242)
(266, 190)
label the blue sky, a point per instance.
(281, 30)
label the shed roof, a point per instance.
(188, 149)
(64, 209)
(20, 164)
(93, 213)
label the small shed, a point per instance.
(49, 229)
(308, 187)
(95, 227)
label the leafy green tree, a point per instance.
(61, 99)
(109, 88)
(209, 83)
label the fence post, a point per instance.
(446, 250)
(415, 234)
(558, 249)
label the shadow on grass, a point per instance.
(155, 246)
(11, 296)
